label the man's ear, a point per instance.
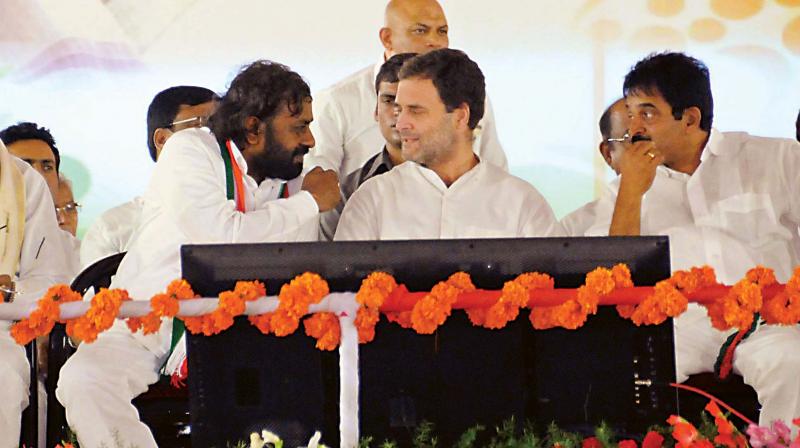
(160, 137)
(252, 124)
(385, 34)
(692, 116)
(605, 151)
(461, 114)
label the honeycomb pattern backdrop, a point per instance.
(88, 68)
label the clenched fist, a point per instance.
(324, 187)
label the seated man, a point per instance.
(35, 145)
(447, 192)
(391, 156)
(613, 129)
(729, 200)
(31, 260)
(170, 111)
(239, 183)
(67, 214)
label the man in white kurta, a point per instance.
(37, 262)
(186, 202)
(729, 200)
(346, 132)
(613, 126)
(171, 110)
(445, 191)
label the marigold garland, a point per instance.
(325, 328)
(435, 307)
(784, 308)
(669, 296)
(515, 295)
(101, 315)
(41, 320)
(230, 305)
(162, 305)
(573, 313)
(294, 300)
(371, 296)
(737, 308)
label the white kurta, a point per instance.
(185, 202)
(740, 208)
(577, 222)
(42, 264)
(412, 202)
(110, 233)
(347, 134)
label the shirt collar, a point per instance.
(713, 145)
(379, 164)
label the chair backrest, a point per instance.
(97, 274)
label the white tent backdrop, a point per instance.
(87, 69)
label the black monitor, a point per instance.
(455, 378)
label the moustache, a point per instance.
(640, 138)
(301, 150)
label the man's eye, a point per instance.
(418, 31)
(47, 168)
(443, 31)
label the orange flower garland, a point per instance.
(784, 308)
(737, 308)
(433, 309)
(44, 317)
(231, 304)
(669, 297)
(325, 328)
(100, 317)
(162, 305)
(573, 313)
(515, 295)
(371, 295)
(293, 302)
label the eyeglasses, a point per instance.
(194, 122)
(69, 207)
(624, 138)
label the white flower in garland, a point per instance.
(314, 442)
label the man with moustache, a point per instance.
(614, 131)
(347, 135)
(171, 110)
(390, 156)
(446, 190)
(729, 200)
(239, 183)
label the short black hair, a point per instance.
(166, 105)
(457, 78)
(26, 130)
(390, 70)
(605, 120)
(257, 91)
(681, 80)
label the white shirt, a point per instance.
(577, 222)
(42, 260)
(110, 233)
(412, 202)
(740, 208)
(185, 202)
(72, 250)
(347, 134)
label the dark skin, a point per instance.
(291, 131)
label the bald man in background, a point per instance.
(344, 126)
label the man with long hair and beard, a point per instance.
(239, 183)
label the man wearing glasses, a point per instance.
(171, 110)
(614, 130)
(726, 199)
(67, 215)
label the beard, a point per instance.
(278, 161)
(433, 146)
